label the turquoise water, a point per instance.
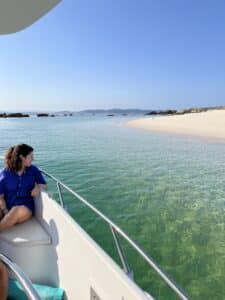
(166, 192)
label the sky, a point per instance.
(100, 54)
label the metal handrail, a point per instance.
(116, 229)
(29, 290)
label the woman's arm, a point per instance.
(37, 189)
(3, 204)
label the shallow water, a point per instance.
(166, 192)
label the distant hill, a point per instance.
(113, 111)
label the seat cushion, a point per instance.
(15, 292)
(29, 233)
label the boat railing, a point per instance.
(116, 231)
(25, 282)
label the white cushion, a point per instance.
(29, 233)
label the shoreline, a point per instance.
(210, 124)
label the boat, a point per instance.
(51, 249)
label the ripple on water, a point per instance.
(167, 193)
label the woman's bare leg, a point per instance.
(3, 282)
(17, 214)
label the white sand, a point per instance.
(204, 124)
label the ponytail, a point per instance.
(13, 160)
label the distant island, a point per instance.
(111, 112)
(14, 115)
(183, 111)
(125, 112)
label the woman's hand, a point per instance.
(37, 189)
(2, 202)
(3, 207)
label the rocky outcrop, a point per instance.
(14, 115)
(183, 111)
(3, 115)
(152, 113)
(168, 112)
(42, 115)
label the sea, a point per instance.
(166, 192)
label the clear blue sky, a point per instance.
(117, 53)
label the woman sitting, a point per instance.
(20, 182)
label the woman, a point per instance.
(20, 182)
(3, 281)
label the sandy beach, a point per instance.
(205, 124)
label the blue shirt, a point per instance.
(17, 188)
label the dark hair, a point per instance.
(12, 156)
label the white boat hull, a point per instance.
(66, 257)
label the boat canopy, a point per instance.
(19, 14)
